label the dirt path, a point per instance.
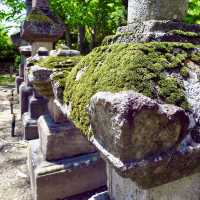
(14, 180)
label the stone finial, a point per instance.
(41, 4)
(144, 10)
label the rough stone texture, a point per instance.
(57, 111)
(24, 93)
(29, 127)
(155, 30)
(37, 45)
(40, 78)
(132, 126)
(120, 188)
(60, 140)
(37, 106)
(64, 178)
(18, 81)
(143, 10)
(63, 52)
(42, 4)
(25, 50)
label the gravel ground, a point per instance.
(14, 180)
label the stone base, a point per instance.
(18, 82)
(63, 178)
(120, 188)
(29, 126)
(60, 140)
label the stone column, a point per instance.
(144, 10)
(148, 152)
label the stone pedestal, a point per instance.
(65, 177)
(133, 134)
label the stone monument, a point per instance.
(41, 28)
(150, 149)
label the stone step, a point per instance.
(63, 178)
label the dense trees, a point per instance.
(90, 20)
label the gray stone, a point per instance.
(132, 126)
(29, 127)
(143, 10)
(57, 111)
(63, 178)
(63, 52)
(25, 50)
(59, 140)
(37, 106)
(18, 81)
(24, 93)
(187, 188)
(42, 51)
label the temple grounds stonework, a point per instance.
(126, 115)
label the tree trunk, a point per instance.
(94, 38)
(68, 37)
(81, 39)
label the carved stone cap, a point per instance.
(41, 25)
(143, 10)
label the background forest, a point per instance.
(87, 22)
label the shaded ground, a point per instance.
(14, 181)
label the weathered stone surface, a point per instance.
(143, 10)
(63, 52)
(132, 126)
(24, 93)
(40, 78)
(25, 50)
(18, 81)
(42, 51)
(37, 106)
(156, 30)
(120, 188)
(60, 140)
(64, 178)
(29, 127)
(57, 111)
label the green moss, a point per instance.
(37, 15)
(184, 71)
(142, 67)
(196, 57)
(185, 33)
(112, 38)
(59, 62)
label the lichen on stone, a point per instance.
(153, 69)
(184, 33)
(38, 16)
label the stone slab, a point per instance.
(64, 178)
(29, 127)
(59, 140)
(187, 188)
(57, 111)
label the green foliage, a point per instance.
(193, 15)
(142, 67)
(7, 52)
(6, 79)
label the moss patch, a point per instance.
(38, 16)
(184, 33)
(143, 67)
